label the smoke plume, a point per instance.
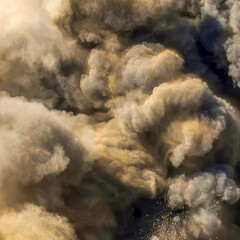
(119, 119)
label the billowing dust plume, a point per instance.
(119, 119)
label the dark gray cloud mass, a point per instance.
(119, 119)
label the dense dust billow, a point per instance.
(119, 119)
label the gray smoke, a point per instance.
(106, 103)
